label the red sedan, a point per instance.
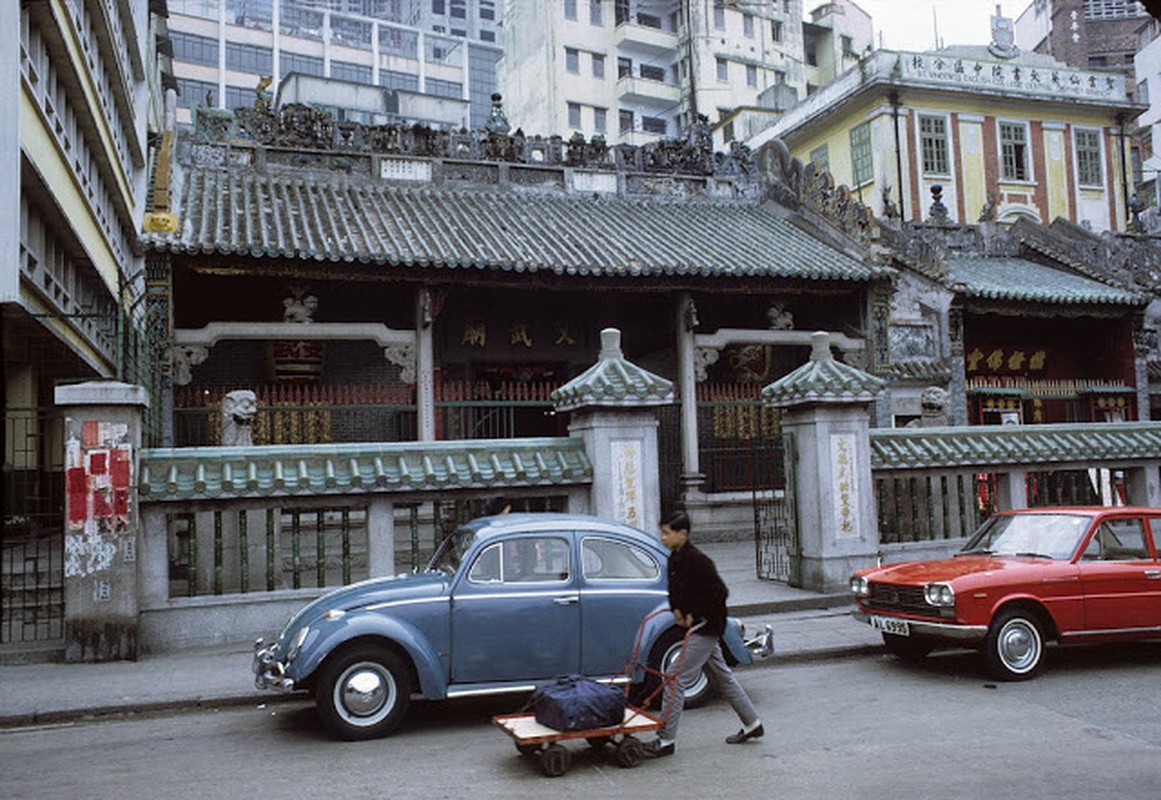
(1069, 575)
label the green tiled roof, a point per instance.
(983, 445)
(337, 218)
(613, 381)
(823, 380)
(1018, 279)
(224, 473)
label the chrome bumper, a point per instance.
(941, 630)
(761, 645)
(269, 672)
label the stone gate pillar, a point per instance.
(827, 411)
(612, 406)
(102, 521)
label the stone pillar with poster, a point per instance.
(827, 411)
(612, 406)
(102, 524)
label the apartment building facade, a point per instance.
(636, 71)
(224, 50)
(86, 107)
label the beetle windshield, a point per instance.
(450, 552)
(1054, 536)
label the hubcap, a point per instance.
(364, 691)
(668, 664)
(1019, 646)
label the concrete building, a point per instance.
(1147, 66)
(1091, 34)
(85, 121)
(225, 51)
(636, 71)
(1033, 139)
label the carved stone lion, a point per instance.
(238, 410)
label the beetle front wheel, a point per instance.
(363, 692)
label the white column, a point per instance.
(687, 383)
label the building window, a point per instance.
(625, 119)
(811, 54)
(748, 25)
(600, 119)
(444, 88)
(723, 70)
(1013, 151)
(624, 67)
(572, 60)
(776, 30)
(620, 12)
(862, 164)
(487, 36)
(821, 156)
(194, 49)
(848, 46)
(488, 10)
(654, 125)
(652, 73)
(574, 115)
(191, 92)
(249, 58)
(779, 76)
(598, 65)
(751, 75)
(570, 9)
(438, 6)
(1143, 92)
(595, 17)
(459, 9)
(296, 62)
(728, 131)
(933, 144)
(720, 14)
(346, 71)
(1088, 157)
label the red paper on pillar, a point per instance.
(78, 490)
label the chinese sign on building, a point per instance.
(846, 487)
(627, 464)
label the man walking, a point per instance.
(697, 596)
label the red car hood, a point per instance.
(947, 569)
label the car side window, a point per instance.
(1118, 540)
(487, 566)
(529, 559)
(1155, 526)
(607, 559)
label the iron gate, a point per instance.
(776, 543)
(32, 541)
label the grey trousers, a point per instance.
(704, 652)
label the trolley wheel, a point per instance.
(629, 752)
(528, 749)
(598, 742)
(555, 760)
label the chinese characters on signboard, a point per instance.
(846, 494)
(627, 465)
(1054, 81)
(521, 333)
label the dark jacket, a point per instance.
(696, 588)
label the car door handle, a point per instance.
(566, 601)
(1153, 574)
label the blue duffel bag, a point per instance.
(578, 704)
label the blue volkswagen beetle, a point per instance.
(505, 604)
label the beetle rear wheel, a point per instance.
(663, 658)
(363, 692)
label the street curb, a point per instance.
(821, 602)
(97, 713)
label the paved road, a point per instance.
(1088, 729)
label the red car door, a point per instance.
(1120, 578)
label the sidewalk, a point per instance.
(806, 626)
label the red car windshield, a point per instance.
(1054, 536)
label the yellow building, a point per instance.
(976, 133)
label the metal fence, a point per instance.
(32, 544)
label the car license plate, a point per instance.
(898, 627)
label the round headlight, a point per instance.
(939, 594)
(859, 587)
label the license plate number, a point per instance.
(898, 627)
